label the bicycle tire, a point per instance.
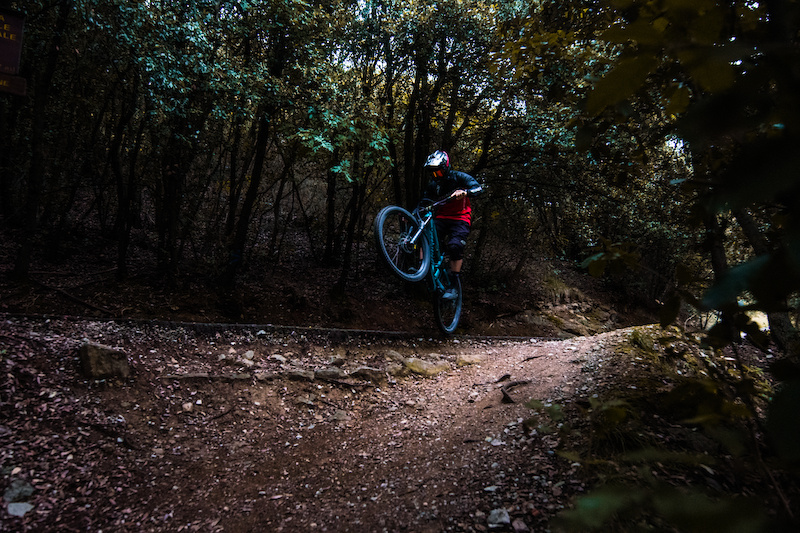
(393, 227)
(448, 312)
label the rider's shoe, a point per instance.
(450, 294)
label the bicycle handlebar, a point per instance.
(429, 208)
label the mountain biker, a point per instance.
(452, 219)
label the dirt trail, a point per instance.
(429, 454)
(203, 440)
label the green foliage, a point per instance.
(654, 447)
(686, 510)
(623, 80)
(546, 418)
(616, 256)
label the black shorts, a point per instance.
(452, 236)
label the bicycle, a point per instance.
(408, 243)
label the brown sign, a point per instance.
(13, 84)
(11, 27)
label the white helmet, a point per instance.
(438, 164)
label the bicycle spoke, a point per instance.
(394, 228)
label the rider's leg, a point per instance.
(456, 242)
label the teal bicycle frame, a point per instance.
(439, 276)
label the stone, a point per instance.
(469, 359)
(396, 370)
(375, 375)
(300, 375)
(19, 509)
(330, 373)
(394, 355)
(498, 518)
(236, 376)
(100, 362)
(337, 361)
(425, 368)
(341, 416)
(19, 491)
(519, 526)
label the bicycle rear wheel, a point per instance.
(448, 311)
(394, 228)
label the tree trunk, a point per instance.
(126, 189)
(328, 257)
(354, 209)
(239, 241)
(411, 182)
(715, 242)
(36, 175)
(235, 183)
(276, 208)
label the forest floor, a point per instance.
(288, 409)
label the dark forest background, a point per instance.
(653, 142)
(222, 135)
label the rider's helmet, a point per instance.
(438, 164)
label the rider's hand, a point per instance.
(458, 193)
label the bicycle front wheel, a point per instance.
(394, 229)
(448, 310)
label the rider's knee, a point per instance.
(455, 249)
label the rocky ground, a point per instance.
(242, 429)
(229, 429)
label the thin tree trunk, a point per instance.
(236, 254)
(715, 241)
(354, 209)
(328, 257)
(36, 174)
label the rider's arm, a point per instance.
(468, 184)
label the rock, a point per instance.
(249, 355)
(341, 416)
(396, 370)
(330, 373)
(519, 526)
(425, 368)
(99, 361)
(394, 355)
(498, 518)
(19, 491)
(375, 375)
(278, 357)
(19, 509)
(337, 361)
(642, 339)
(306, 400)
(469, 359)
(300, 375)
(236, 376)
